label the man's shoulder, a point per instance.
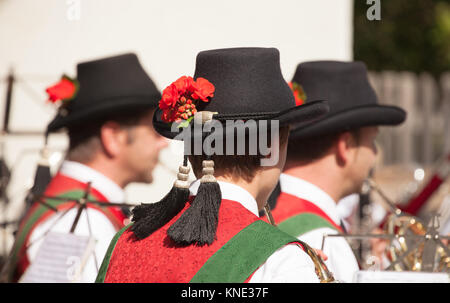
(289, 263)
(316, 236)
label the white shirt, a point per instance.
(341, 260)
(102, 229)
(289, 264)
(444, 219)
(346, 208)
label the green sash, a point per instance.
(243, 254)
(303, 223)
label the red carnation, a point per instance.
(184, 84)
(169, 97)
(203, 90)
(179, 98)
(63, 90)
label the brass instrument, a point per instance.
(416, 245)
(322, 272)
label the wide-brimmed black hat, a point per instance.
(248, 85)
(353, 102)
(107, 86)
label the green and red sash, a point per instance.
(297, 216)
(243, 243)
(62, 187)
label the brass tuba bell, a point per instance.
(416, 246)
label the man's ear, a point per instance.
(344, 148)
(113, 138)
(276, 149)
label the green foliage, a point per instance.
(411, 35)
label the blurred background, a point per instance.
(408, 55)
(407, 52)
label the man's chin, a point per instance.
(146, 179)
(358, 188)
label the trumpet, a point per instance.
(322, 271)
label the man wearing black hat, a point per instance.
(329, 160)
(210, 231)
(107, 112)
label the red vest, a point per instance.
(159, 259)
(39, 213)
(289, 206)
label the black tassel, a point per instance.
(42, 179)
(198, 224)
(43, 176)
(148, 218)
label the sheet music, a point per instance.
(368, 276)
(60, 259)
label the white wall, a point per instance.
(40, 41)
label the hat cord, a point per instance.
(245, 116)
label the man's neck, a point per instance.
(321, 175)
(252, 187)
(107, 169)
(101, 182)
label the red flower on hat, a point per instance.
(204, 89)
(184, 84)
(169, 97)
(64, 90)
(298, 92)
(179, 99)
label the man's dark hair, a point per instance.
(244, 166)
(313, 148)
(85, 141)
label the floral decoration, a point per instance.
(63, 91)
(299, 93)
(180, 99)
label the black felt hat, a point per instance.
(107, 86)
(248, 85)
(353, 102)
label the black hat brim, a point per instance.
(354, 118)
(102, 111)
(296, 117)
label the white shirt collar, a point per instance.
(232, 192)
(85, 174)
(310, 192)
